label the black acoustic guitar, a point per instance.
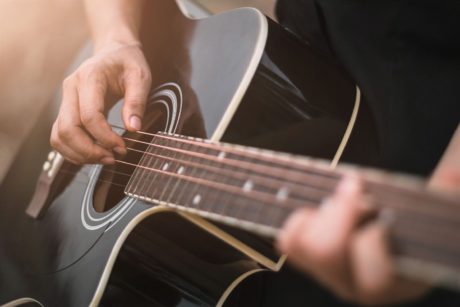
(188, 220)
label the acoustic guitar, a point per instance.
(186, 218)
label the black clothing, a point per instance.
(405, 57)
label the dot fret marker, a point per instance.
(282, 194)
(197, 199)
(248, 185)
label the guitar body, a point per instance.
(236, 77)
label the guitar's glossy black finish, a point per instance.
(295, 102)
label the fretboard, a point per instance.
(257, 190)
(229, 183)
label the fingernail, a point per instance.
(135, 122)
(348, 185)
(120, 150)
(108, 160)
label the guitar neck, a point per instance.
(257, 190)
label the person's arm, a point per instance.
(117, 69)
(353, 261)
(114, 22)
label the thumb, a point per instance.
(137, 88)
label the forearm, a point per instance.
(114, 21)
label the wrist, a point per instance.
(115, 39)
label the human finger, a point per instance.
(92, 93)
(291, 230)
(68, 137)
(325, 242)
(137, 83)
(374, 277)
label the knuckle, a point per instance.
(87, 118)
(88, 70)
(135, 103)
(68, 83)
(54, 141)
(88, 156)
(140, 73)
(65, 132)
(90, 117)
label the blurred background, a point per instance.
(39, 40)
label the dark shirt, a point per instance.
(405, 57)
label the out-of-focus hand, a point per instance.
(352, 261)
(81, 132)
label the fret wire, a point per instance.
(205, 204)
(265, 170)
(330, 188)
(439, 235)
(397, 236)
(144, 177)
(230, 189)
(245, 205)
(197, 196)
(405, 221)
(181, 186)
(301, 192)
(306, 183)
(421, 250)
(187, 185)
(299, 189)
(163, 184)
(386, 194)
(243, 151)
(134, 181)
(411, 208)
(259, 154)
(399, 199)
(228, 202)
(170, 190)
(149, 180)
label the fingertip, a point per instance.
(120, 150)
(292, 227)
(350, 184)
(135, 123)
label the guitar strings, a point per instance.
(305, 182)
(308, 181)
(412, 221)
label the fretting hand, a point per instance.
(354, 261)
